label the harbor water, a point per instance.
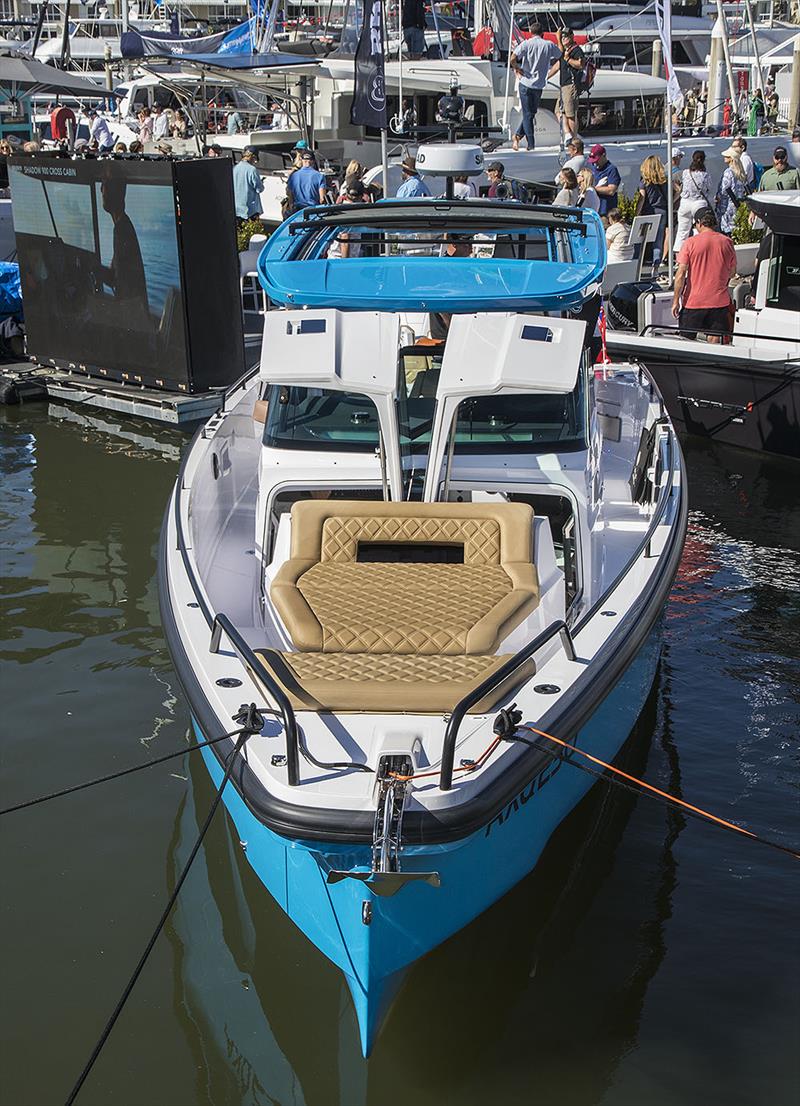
(648, 959)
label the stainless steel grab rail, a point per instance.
(488, 685)
(259, 672)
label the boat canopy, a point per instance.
(779, 210)
(450, 256)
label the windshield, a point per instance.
(489, 424)
(317, 419)
(313, 418)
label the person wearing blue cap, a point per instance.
(306, 186)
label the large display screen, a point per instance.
(97, 243)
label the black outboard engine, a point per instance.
(622, 306)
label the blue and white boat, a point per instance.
(425, 511)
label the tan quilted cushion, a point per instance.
(331, 603)
(352, 682)
(400, 608)
(480, 537)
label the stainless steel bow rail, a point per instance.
(489, 685)
(261, 675)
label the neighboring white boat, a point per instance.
(746, 393)
(425, 512)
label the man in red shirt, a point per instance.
(706, 263)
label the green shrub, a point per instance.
(742, 233)
(627, 206)
(246, 231)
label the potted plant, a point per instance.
(745, 238)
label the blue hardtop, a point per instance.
(436, 255)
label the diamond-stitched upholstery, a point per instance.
(480, 537)
(401, 608)
(351, 682)
(400, 633)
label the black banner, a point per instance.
(369, 97)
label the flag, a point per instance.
(369, 96)
(664, 22)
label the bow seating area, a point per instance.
(401, 606)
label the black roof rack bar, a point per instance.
(432, 213)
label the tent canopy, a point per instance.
(26, 77)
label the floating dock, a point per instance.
(22, 381)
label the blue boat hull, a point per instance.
(475, 871)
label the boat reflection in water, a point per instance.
(558, 969)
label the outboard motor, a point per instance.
(622, 306)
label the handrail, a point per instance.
(721, 333)
(219, 622)
(644, 544)
(487, 686)
(240, 382)
(260, 672)
(567, 635)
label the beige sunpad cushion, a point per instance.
(331, 603)
(352, 682)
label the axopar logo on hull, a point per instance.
(531, 789)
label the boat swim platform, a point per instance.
(32, 381)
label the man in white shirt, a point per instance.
(740, 144)
(160, 123)
(531, 61)
(576, 159)
(99, 131)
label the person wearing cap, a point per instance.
(780, 176)
(676, 176)
(412, 185)
(500, 188)
(568, 65)
(706, 262)
(731, 190)
(306, 187)
(606, 179)
(247, 185)
(531, 60)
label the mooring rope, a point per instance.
(253, 723)
(624, 780)
(118, 775)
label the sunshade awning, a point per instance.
(27, 77)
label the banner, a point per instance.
(138, 44)
(369, 96)
(664, 22)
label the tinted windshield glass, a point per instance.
(488, 424)
(312, 418)
(519, 423)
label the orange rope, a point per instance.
(466, 768)
(654, 790)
